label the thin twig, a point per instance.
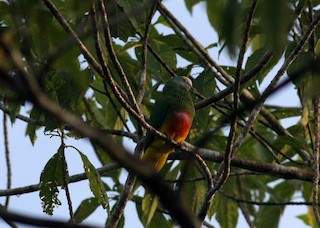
(269, 90)
(145, 39)
(117, 213)
(88, 56)
(65, 177)
(242, 206)
(21, 117)
(36, 221)
(86, 53)
(115, 107)
(7, 155)
(106, 71)
(129, 135)
(245, 78)
(107, 93)
(7, 220)
(158, 58)
(73, 179)
(312, 39)
(194, 45)
(118, 209)
(315, 188)
(297, 203)
(205, 169)
(114, 58)
(224, 169)
(283, 171)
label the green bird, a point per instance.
(172, 115)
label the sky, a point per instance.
(28, 161)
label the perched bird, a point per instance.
(172, 115)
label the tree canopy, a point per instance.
(92, 70)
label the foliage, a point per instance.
(75, 76)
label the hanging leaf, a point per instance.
(275, 29)
(227, 212)
(51, 177)
(158, 219)
(136, 11)
(190, 4)
(96, 185)
(149, 207)
(85, 209)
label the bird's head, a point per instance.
(180, 81)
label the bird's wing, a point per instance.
(159, 113)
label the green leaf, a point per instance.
(284, 112)
(270, 216)
(158, 219)
(295, 142)
(227, 18)
(51, 176)
(85, 209)
(308, 82)
(227, 212)
(96, 185)
(149, 207)
(306, 220)
(255, 58)
(275, 28)
(166, 49)
(204, 84)
(119, 13)
(105, 159)
(192, 191)
(14, 108)
(136, 11)
(172, 45)
(31, 128)
(191, 3)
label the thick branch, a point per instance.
(315, 189)
(35, 221)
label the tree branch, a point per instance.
(114, 58)
(283, 171)
(265, 203)
(315, 188)
(118, 210)
(224, 169)
(145, 39)
(194, 45)
(88, 56)
(7, 155)
(242, 206)
(73, 179)
(21, 117)
(35, 221)
(65, 177)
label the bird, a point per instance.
(173, 115)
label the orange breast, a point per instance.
(177, 126)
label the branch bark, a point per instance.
(315, 189)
